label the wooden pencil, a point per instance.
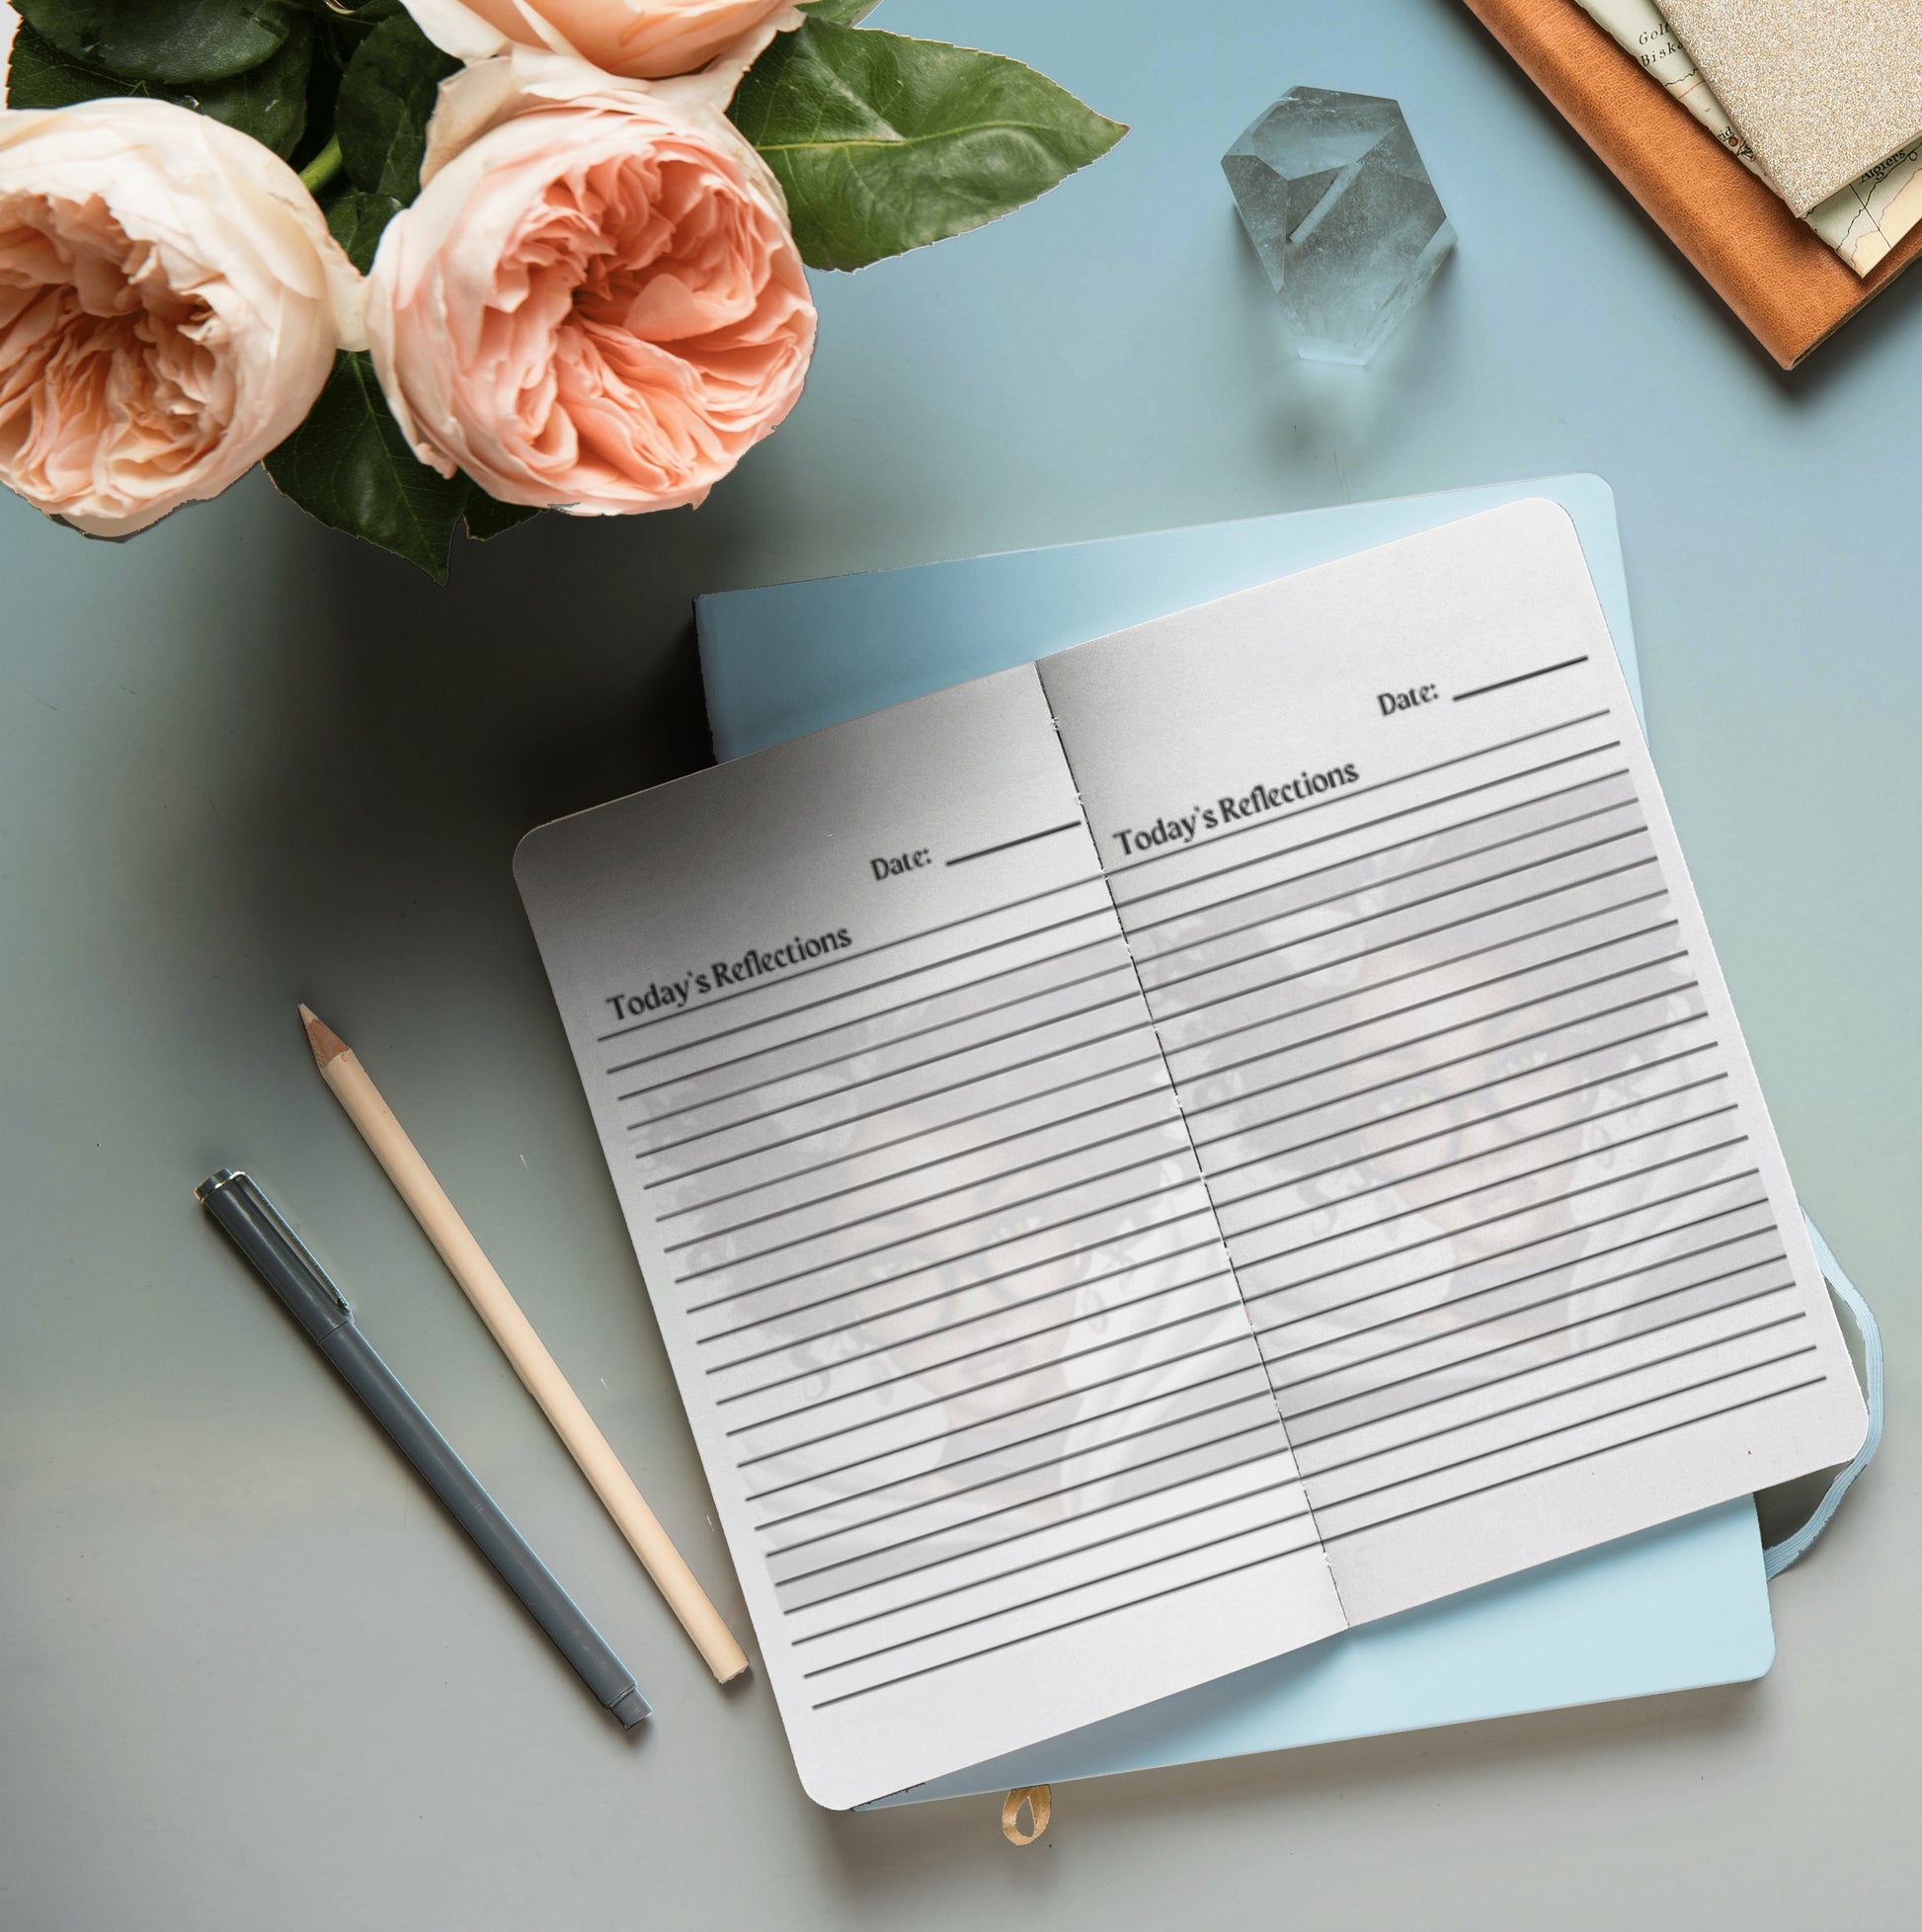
(457, 1247)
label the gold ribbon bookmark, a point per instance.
(1039, 1802)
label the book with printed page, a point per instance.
(1147, 1160)
(1674, 1608)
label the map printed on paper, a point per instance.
(1862, 223)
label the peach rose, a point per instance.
(596, 305)
(170, 305)
(644, 39)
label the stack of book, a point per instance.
(1788, 285)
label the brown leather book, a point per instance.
(1784, 282)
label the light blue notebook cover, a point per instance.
(1674, 1608)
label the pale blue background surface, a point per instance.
(248, 1679)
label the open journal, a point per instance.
(1149, 1159)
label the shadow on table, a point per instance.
(405, 736)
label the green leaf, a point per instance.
(488, 517)
(839, 13)
(386, 96)
(350, 465)
(40, 75)
(362, 18)
(163, 41)
(358, 219)
(884, 143)
(343, 28)
(268, 102)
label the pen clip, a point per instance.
(321, 1275)
(271, 1215)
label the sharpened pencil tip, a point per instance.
(326, 1043)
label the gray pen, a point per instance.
(317, 1305)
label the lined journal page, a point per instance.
(1463, 1078)
(980, 1402)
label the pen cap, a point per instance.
(276, 1251)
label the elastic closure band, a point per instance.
(1779, 1556)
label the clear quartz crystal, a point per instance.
(1342, 213)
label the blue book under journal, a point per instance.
(1202, 1187)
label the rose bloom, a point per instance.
(596, 305)
(170, 305)
(644, 39)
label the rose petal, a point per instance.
(170, 306)
(596, 303)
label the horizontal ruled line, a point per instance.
(900, 1006)
(1354, 892)
(1426, 898)
(1361, 791)
(1290, 1482)
(1461, 1060)
(1048, 1126)
(1000, 1208)
(1488, 1221)
(979, 1281)
(1210, 1313)
(1536, 1368)
(970, 1255)
(908, 1067)
(1560, 1428)
(1376, 1155)
(1407, 940)
(1491, 1414)
(1268, 1424)
(1001, 1415)
(1161, 1123)
(1386, 945)
(901, 1139)
(1127, 994)
(1325, 1537)
(1275, 1450)
(1388, 818)
(1136, 929)
(1580, 1122)
(1520, 1248)
(1260, 1392)
(1048, 1597)
(1008, 845)
(1480, 1187)
(1260, 1395)
(790, 1343)
(1541, 998)
(1428, 966)
(1194, 1109)
(1455, 1303)
(1071, 1622)
(1581, 1456)
(871, 1113)
(1502, 683)
(921, 1369)
(861, 953)
(1390, 1254)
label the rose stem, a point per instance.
(323, 167)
